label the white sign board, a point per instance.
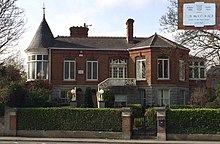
(199, 14)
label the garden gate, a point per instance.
(144, 124)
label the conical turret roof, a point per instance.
(43, 38)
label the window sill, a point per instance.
(163, 79)
(91, 80)
(141, 79)
(197, 78)
(69, 80)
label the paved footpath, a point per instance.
(114, 141)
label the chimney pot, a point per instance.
(129, 29)
(79, 32)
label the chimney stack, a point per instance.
(129, 29)
(79, 32)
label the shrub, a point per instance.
(69, 119)
(88, 98)
(151, 117)
(213, 104)
(137, 109)
(17, 93)
(193, 121)
(109, 98)
(38, 93)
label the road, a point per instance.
(25, 142)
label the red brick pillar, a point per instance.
(126, 123)
(10, 122)
(161, 123)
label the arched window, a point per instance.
(118, 68)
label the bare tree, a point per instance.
(204, 43)
(169, 21)
(11, 26)
(199, 97)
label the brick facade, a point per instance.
(127, 65)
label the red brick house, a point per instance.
(151, 70)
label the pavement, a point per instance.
(115, 141)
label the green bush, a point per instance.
(109, 98)
(151, 118)
(193, 121)
(17, 94)
(137, 109)
(38, 93)
(69, 119)
(2, 109)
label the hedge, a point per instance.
(193, 121)
(69, 119)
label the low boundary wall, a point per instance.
(192, 137)
(69, 134)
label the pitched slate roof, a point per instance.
(113, 43)
(43, 38)
(158, 41)
(110, 43)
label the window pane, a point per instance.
(160, 69)
(202, 72)
(110, 72)
(95, 70)
(71, 70)
(181, 70)
(120, 72)
(165, 68)
(143, 69)
(45, 57)
(202, 63)
(32, 70)
(45, 72)
(66, 73)
(138, 70)
(39, 57)
(196, 72)
(29, 70)
(39, 70)
(196, 63)
(33, 57)
(89, 69)
(115, 72)
(190, 72)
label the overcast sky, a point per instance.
(107, 17)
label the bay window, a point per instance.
(37, 66)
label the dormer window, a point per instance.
(37, 66)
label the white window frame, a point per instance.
(74, 70)
(161, 95)
(37, 75)
(139, 72)
(199, 66)
(182, 70)
(115, 65)
(163, 70)
(92, 70)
